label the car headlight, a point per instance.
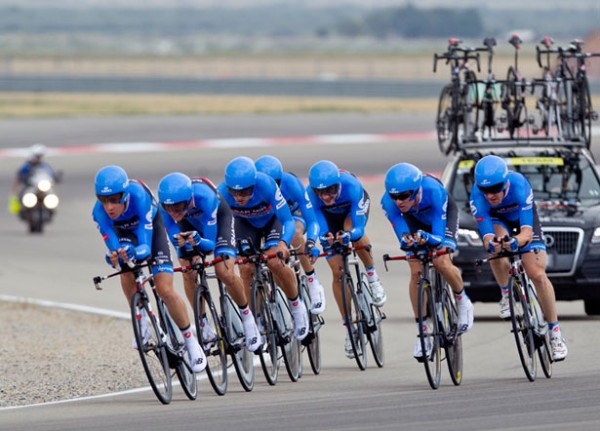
(29, 200)
(44, 185)
(469, 237)
(596, 236)
(51, 201)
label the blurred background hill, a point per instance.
(165, 27)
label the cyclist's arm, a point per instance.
(105, 226)
(526, 214)
(394, 215)
(319, 216)
(358, 211)
(283, 213)
(171, 227)
(438, 223)
(145, 211)
(306, 208)
(479, 209)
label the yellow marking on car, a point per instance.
(545, 161)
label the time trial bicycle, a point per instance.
(362, 319)
(437, 318)
(226, 335)
(273, 316)
(528, 324)
(159, 340)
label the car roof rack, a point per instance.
(523, 142)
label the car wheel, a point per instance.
(591, 307)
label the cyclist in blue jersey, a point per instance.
(295, 195)
(128, 219)
(422, 213)
(503, 205)
(262, 216)
(195, 215)
(341, 206)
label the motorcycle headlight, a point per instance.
(596, 236)
(469, 237)
(51, 201)
(44, 185)
(29, 200)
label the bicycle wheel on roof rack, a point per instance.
(447, 121)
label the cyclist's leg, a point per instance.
(450, 273)
(535, 267)
(317, 294)
(225, 272)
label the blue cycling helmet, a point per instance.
(323, 174)
(403, 177)
(174, 188)
(111, 180)
(491, 171)
(271, 166)
(240, 173)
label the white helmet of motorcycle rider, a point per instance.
(37, 152)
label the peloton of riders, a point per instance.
(261, 201)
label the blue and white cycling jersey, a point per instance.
(516, 208)
(210, 216)
(436, 213)
(297, 198)
(266, 203)
(352, 201)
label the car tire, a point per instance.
(591, 307)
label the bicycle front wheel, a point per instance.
(291, 349)
(542, 335)
(353, 321)
(211, 339)
(269, 356)
(373, 317)
(153, 351)
(429, 334)
(242, 358)
(312, 342)
(452, 341)
(520, 315)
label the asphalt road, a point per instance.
(58, 266)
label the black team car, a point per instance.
(566, 188)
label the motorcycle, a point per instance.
(38, 200)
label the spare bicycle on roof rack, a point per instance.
(552, 149)
(480, 113)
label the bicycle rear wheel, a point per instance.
(452, 341)
(242, 358)
(520, 315)
(429, 334)
(312, 342)
(373, 317)
(212, 341)
(153, 351)
(582, 107)
(291, 349)
(268, 353)
(353, 321)
(446, 121)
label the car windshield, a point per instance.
(567, 177)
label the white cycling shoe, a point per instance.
(465, 315)
(418, 351)
(253, 338)
(317, 298)
(301, 324)
(379, 296)
(504, 307)
(196, 354)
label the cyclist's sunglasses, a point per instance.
(492, 190)
(176, 208)
(243, 193)
(402, 196)
(110, 199)
(331, 190)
